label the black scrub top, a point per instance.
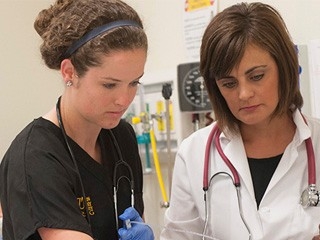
(40, 187)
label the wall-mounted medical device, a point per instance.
(193, 96)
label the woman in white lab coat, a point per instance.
(250, 67)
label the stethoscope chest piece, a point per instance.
(310, 197)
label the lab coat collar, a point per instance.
(302, 131)
(234, 149)
(290, 154)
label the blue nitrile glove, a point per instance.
(137, 231)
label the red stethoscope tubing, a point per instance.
(311, 162)
(214, 137)
(311, 159)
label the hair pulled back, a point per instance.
(66, 21)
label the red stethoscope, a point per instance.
(309, 197)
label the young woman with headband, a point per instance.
(75, 173)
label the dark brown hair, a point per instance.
(68, 20)
(224, 43)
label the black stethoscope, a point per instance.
(118, 163)
(309, 197)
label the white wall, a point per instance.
(28, 89)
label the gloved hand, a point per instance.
(138, 231)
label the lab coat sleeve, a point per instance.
(181, 220)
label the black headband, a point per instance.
(97, 31)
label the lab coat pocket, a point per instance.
(187, 230)
(305, 223)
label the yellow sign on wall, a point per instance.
(192, 5)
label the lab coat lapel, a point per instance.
(234, 150)
(291, 152)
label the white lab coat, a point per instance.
(280, 216)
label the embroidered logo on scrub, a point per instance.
(89, 206)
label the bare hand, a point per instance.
(318, 236)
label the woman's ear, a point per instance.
(67, 70)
